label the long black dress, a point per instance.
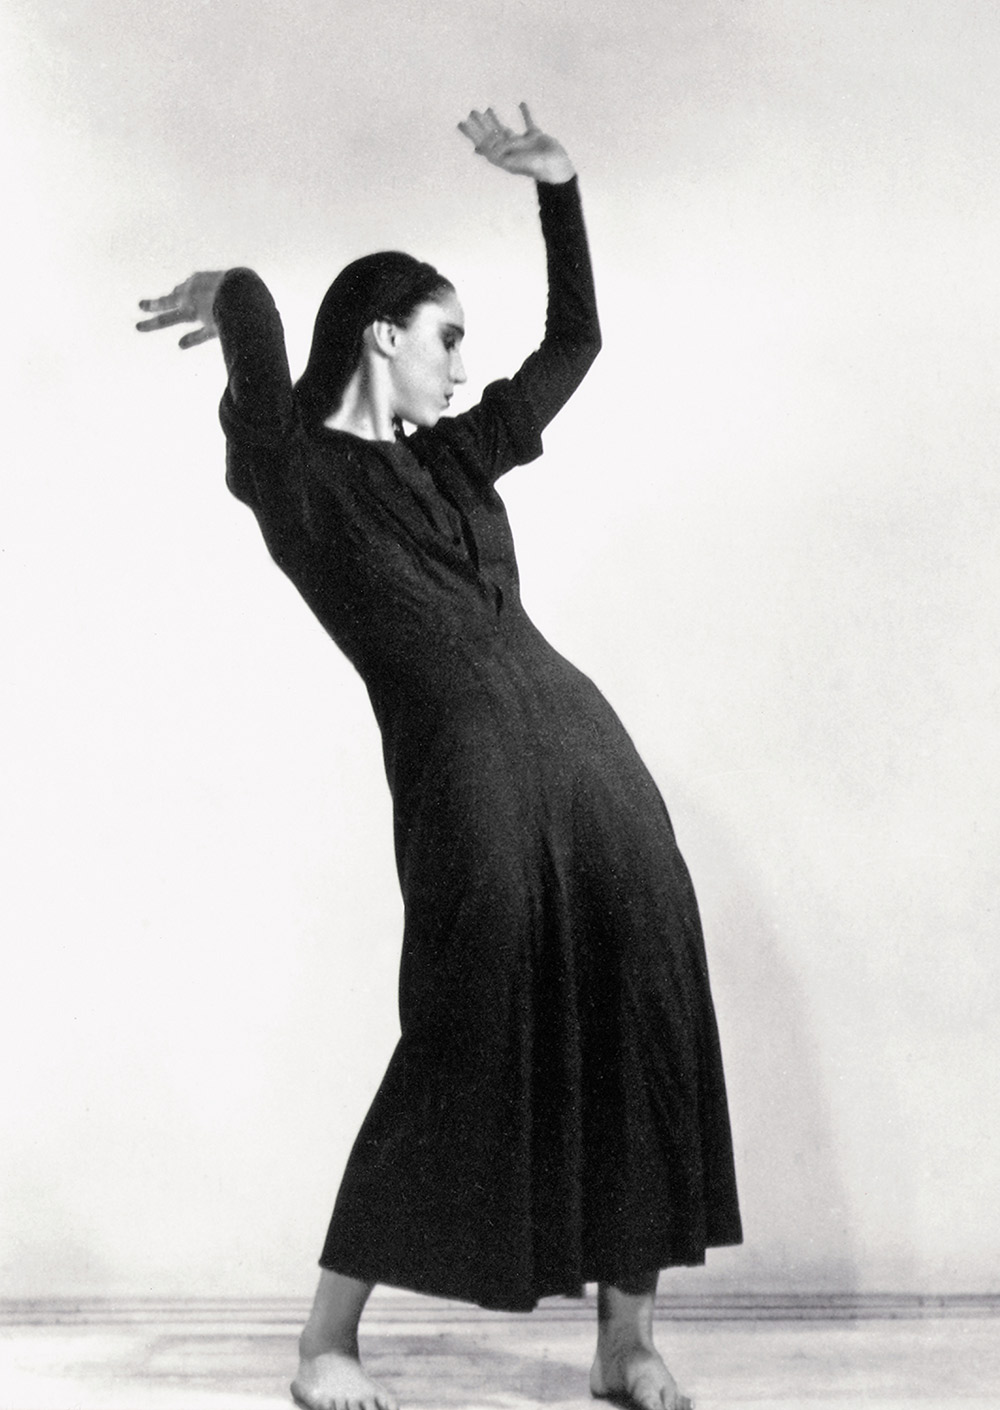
(555, 1110)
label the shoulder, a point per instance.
(500, 432)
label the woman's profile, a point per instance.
(554, 1113)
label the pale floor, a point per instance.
(438, 1357)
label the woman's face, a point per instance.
(427, 363)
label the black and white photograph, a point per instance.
(500, 597)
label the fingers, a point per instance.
(164, 304)
(484, 129)
(200, 335)
(529, 152)
(171, 308)
(162, 320)
(472, 126)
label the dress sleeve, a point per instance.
(505, 429)
(572, 339)
(257, 408)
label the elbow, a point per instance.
(238, 289)
(583, 343)
(589, 346)
(236, 482)
(239, 278)
(580, 352)
(589, 332)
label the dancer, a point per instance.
(554, 1113)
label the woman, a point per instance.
(554, 1113)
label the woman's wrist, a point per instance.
(557, 170)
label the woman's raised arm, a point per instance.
(235, 306)
(528, 401)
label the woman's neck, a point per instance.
(364, 409)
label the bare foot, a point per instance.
(636, 1378)
(335, 1380)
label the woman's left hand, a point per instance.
(529, 153)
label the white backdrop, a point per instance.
(767, 526)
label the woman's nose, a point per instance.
(458, 368)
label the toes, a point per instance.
(647, 1394)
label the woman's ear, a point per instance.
(382, 336)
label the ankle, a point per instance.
(618, 1340)
(332, 1325)
(625, 1319)
(316, 1341)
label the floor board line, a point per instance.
(393, 1306)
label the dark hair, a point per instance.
(388, 285)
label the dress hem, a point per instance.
(459, 1292)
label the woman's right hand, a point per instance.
(190, 302)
